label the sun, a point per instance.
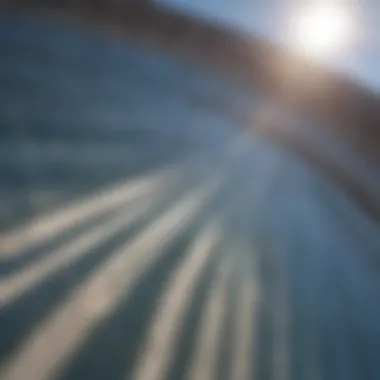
(321, 30)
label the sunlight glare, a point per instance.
(321, 30)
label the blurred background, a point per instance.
(227, 149)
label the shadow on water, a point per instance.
(19, 317)
(264, 325)
(10, 266)
(185, 346)
(226, 348)
(118, 341)
(17, 198)
(113, 348)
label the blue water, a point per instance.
(80, 111)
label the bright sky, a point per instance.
(342, 34)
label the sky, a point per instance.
(359, 56)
